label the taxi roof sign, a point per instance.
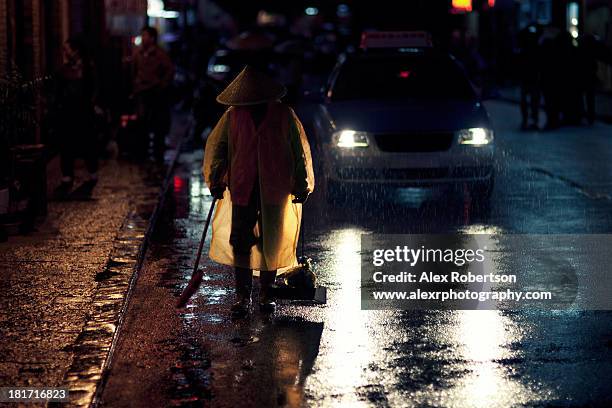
(395, 39)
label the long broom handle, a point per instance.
(210, 213)
(302, 231)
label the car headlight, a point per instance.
(220, 68)
(350, 139)
(475, 136)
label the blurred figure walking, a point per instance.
(592, 52)
(588, 56)
(570, 80)
(76, 92)
(551, 76)
(529, 72)
(153, 72)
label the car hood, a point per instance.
(407, 115)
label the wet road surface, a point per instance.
(339, 355)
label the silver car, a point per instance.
(407, 117)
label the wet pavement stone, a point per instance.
(92, 345)
(63, 287)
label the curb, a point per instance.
(140, 259)
(95, 346)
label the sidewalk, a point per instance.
(603, 101)
(577, 156)
(62, 287)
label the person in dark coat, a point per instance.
(529, 72)
(570, 80)
(76, 94)
(588, 57)
(592, 52)
(551, 76)
(153, 74)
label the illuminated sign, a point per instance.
(461, 6)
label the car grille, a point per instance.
(471, 172)
(348, 173)
(415, 142)
(415, 174)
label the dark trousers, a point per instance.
(552, 98)
(78, 140)
(244, 219)
(153, 110)
(242, 238)
(530, 103)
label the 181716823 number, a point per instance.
(25, 394)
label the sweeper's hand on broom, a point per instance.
(300, 198)
(217, 192)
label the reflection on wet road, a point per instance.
(340, 355)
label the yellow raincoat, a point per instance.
(284, 166)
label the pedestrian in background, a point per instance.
(588, 57)
(529, 72)
(551, 76)
(592, 52)
(570, 80)
(257, 157)
(76, 92)
(153, 72)
(550, 80)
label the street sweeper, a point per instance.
(257, 162)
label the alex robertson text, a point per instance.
(453, 277)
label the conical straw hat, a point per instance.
(251, 87)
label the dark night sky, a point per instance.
(381, 14)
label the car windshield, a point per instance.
(401, 77)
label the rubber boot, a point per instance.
(266, 299)
(243, 279)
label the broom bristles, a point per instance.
(192, 287)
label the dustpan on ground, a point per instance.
(300, 282)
